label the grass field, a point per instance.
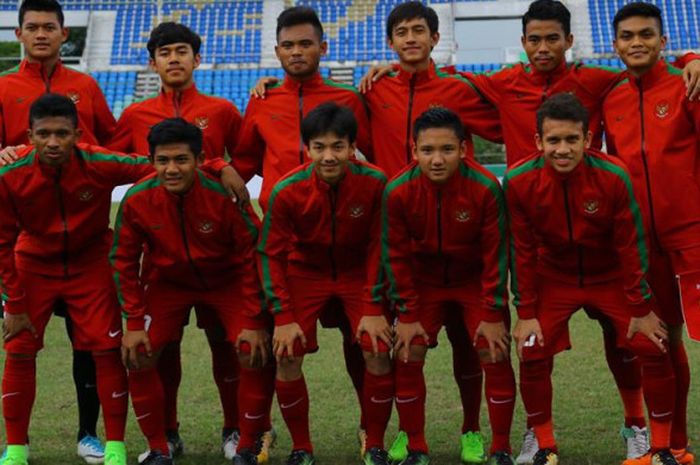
(587, 409)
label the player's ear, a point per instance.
(152, 64)
(434, 39)
(18, 32)
(414, 151)
(463, 149)
(324, 47)
(197, 60)
(569, 41)
(588, 140)
(78, 133)
(199, 158)
(65, 32)
(538, 142)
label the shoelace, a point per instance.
(666, 458)
(638, 443)
(296, 457)
(379, 455)
(93, 443)
(529, 441)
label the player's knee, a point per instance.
(289, 369)
(378, 365)
(417, 352)
(485, 356)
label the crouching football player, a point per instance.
(200, 247)
(319, 247)
(444, 247)
(578, 241)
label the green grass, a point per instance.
(586, 408)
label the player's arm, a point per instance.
(477, 113)
(234, 182)
(273, 249)
(250, 147)
(373, 321)
(125, 258)
(364, 132)
(494, 276)
(396, 258)
(16, 316)
(523, 261)
(122, 139)
(104, 122)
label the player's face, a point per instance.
(330, 154)
(175, 63)
(176, 166)
(299, 50)
(638, 42)
(438, 152)
(42, 35)
(563, 143)
(545, 44)
(54, 138)
(412, 41)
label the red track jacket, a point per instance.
(199, 240)
(583, 228)
(312, 229)
(270, 140)
(443, 235)
(218, 119)
(653, 128)
(397, 100)
(23, 84)
(55, 221)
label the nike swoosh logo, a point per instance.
(660, 415)
(230, 380)
(10, 394)
(405, 401)
(115, 333)
(466, 377)
(117, 395)
(90, 386)
(292, 404)
(248, 416)
(499, 402)
(530, 415)
(381, 401)
(141, 417)
(628, 360)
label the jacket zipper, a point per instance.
(62, 209)
(301, 118)
(177, 101)
(183, 229)
(411, 92)
(445, 261)
(570, 227)
(332, 196)
(547, 83)
(647, 176)
(46, 79)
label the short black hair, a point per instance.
(172, 33)
(328, 118)
(297, 15)
(545, 10)
(51, 106)
(51, 6)
(562, 107)
(175, 131)
(438, 117)
(646, 10)
(412, 10)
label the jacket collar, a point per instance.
(36, 68)
(452, 184)
(651, 77)
(575, 174)
(183, 95)
(542, 78)
(294, 85)
(322, 185)
(419, 77)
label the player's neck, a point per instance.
(415, 67)
(639, 72)
(49, 64)
(179, 89)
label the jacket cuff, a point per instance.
(491, 315)
(408, 317)
(641, 309)
(14, 306)
(215, 165)
(372, 309)
(284, 318)
(526, 312)
(254, 323)
(135, 323)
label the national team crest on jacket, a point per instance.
(85, 195)
(74, 96)
(202, 122)
(463, 216)
(662, 109)
(206, 227)
(590, 207)
(357, 211)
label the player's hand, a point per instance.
(376, 328)
(131, 341)
(235, 185)
(652, 327)
(691, 77)
(496, 335)
(13, 324)
(259, 341)
(405, 333)
(526, 332)
(283, 340)
(261, 86)
(8, 155)
(374, 74)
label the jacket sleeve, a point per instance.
(122, 137)
(683, 60)
(486, 84)
(105, 125)
(630, 242)
(364, 132)
(250, 148)
(523, 255)
(233, 129)
(273, 249)
(396, 257)
(125, 258)
(494, 247)
(123, 169)
(13, 291)
(246, 227)
(375, 286)
(477, 113)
